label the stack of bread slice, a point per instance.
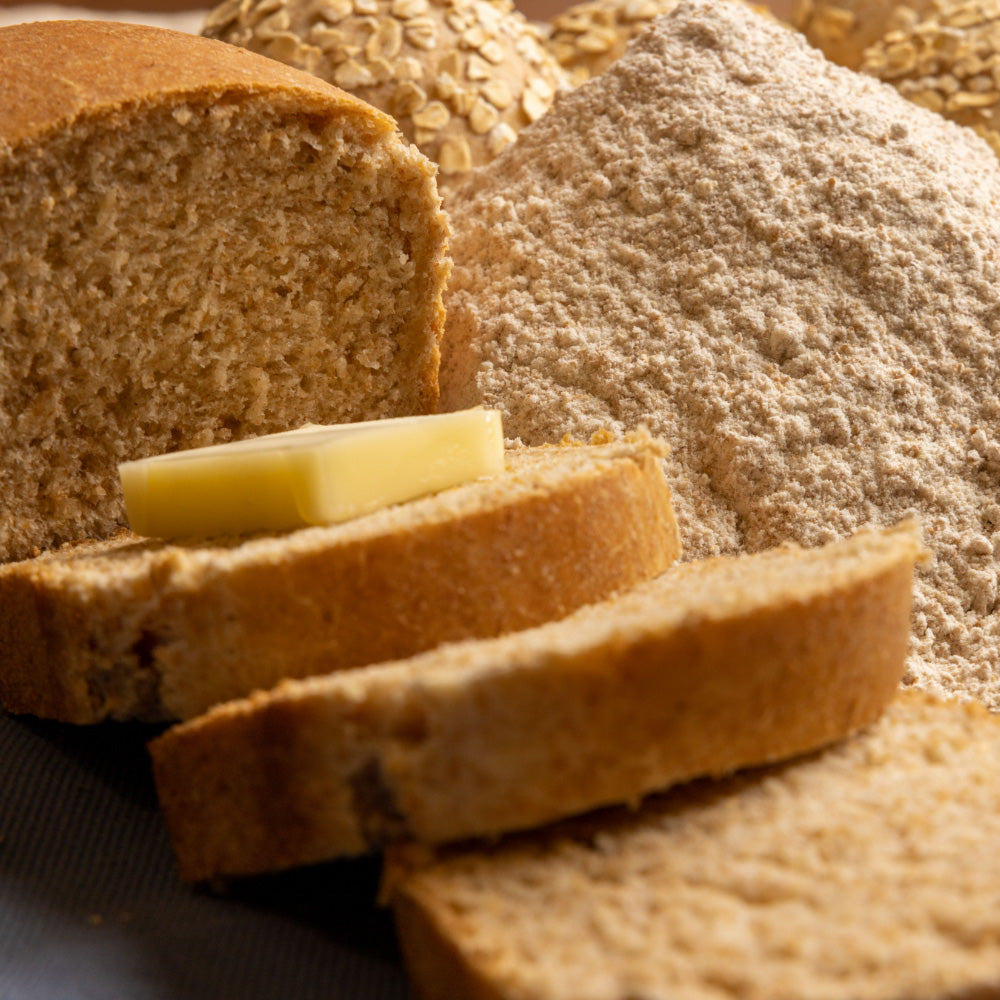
(709, 667)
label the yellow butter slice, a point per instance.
(310, 476)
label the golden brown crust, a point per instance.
(48, 75)
(129, 628)
(709, 668)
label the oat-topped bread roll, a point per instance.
(948, 62)
(867, 871)
(199, 244)
(588, 37)
(709, 667)
(132, 628)
(462, 77)
(785, 269)
(843, 29)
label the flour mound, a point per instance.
(782, 267)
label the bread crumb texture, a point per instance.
(461, 77)
(198, 245)
(868, 871)
(787, 271)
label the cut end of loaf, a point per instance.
(236, 253)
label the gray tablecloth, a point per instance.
(91, 907)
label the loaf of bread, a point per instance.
(138, 628)
(869, 871)
(462, 77)
(199, 244)
(709, 667)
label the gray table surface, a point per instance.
(91, 907)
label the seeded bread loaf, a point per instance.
(866, 872)
(199, 244)
(462, 77)
(843, 29)
(139, 628)
(949, 62)
(588, 37)
(710, 667)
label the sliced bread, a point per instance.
(199, 244)
(710, 667)
(137, 628)
(869, 871)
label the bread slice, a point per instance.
(199, 244)
(710, 667)
(869, 871)
(138, 628)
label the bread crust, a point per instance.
(130, 628)
(694, 673)
(50, 76)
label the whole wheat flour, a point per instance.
(782, 267)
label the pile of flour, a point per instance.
(786, 270)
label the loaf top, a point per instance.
(53, 71)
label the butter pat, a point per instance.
(314, 475)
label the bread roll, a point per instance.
(199, 244)
(462, 77)
(949, 62)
